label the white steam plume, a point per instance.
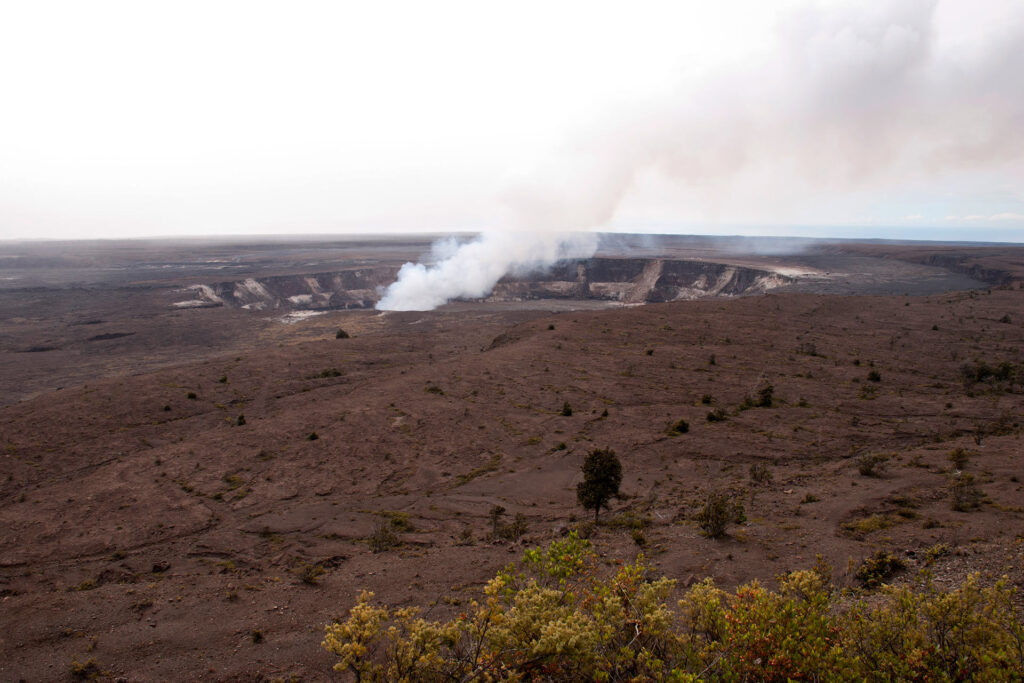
(849, 96)
(473, 268)
(550, 209)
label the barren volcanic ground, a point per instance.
(145, 525)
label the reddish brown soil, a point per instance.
(157, 541)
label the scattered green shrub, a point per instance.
(876, 569)
(959, 457)
(515, 530)
(511, 532)
(763, 399)
(869, 524)
(566, 410)
(341, 334)
(874, 376)
(399, 521)
(309, 574)
(680, 427)
(935, 552)
(383, 537)
(760, 474)
(965, 494)
(1003, 373)
(720, 512)
(88, 670)
(872, 464)
(717, 415)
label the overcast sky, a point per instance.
(877, 119)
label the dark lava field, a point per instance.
(179, 476)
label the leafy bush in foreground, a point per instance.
(556, 619)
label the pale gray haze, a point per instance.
(519, 120)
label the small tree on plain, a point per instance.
(602, 475)
(495, 514)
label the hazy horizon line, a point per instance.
(429, 235)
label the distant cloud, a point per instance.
(851, 103)
(975, 217)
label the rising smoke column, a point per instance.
(549, 209)
(850, 95)
(472, 269)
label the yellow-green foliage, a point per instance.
(557, 619)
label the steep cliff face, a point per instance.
(320, 291)
(608, 279)
(638, 281)
(959, 263)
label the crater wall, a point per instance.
(627, 280)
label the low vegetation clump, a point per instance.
(760, 474)
(876, 569)
(959, 457)
(872, 465)
(88, 670)
(763, 399)
(869, 524)
(677, 428)
(341, 334)
(491, 465)
(1000, 375)
(557, 618)
(965, 494)
(721, 511)
(384, 537)
(310, 575)
(510, 532)
(716, 415)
